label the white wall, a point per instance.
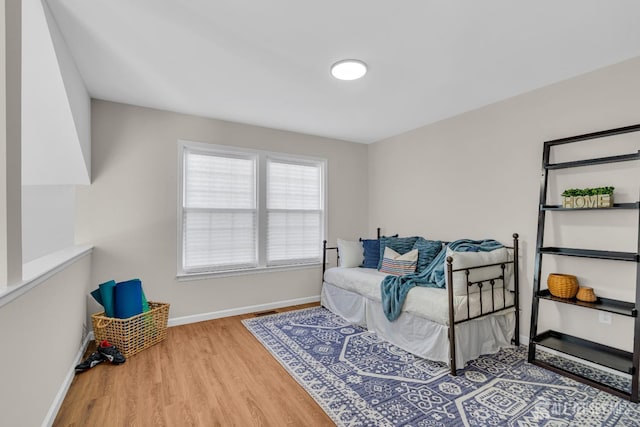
(77, 95)
(55, 105)
(41, 333)
(10, 143)
(477, 176)
(48, 219)
(129, 213)
(56, 139)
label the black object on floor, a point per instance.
(91, 361)
(111, 353)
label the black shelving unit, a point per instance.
(598, 161)
(590, 253)
(622, 308)
(603, 355)
(632, 205)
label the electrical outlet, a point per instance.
(604, 317)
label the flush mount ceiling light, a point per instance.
(348, 69)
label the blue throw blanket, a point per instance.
(395, 288)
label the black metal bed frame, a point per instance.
(325, 249)
(480, 284)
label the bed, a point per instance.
(476, 315)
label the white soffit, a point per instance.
(51, 149)
(267, 62)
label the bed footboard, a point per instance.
(480, 284)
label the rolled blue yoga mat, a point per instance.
(108, 298)
(128, 298)
(96, 296)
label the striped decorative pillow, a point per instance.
(399, 265)
(401, 245)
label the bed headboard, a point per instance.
(326, 248)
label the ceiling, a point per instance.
(267, 62)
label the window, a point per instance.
(294, 211)
(219, 211)
(244, 210)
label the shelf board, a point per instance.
(594, 135)
(600, 354)
(589, 253)
(623, 308)
(596, 161)
(586, 380)
(631, 205)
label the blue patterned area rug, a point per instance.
(360, 380)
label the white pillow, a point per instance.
(351, 253)
(472, 259)
(398, 265)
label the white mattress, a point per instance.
(429, 303)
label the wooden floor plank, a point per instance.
(212, 373)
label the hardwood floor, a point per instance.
(212, 373)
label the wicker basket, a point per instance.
(586, 294)
(562, 285)
(136, 333)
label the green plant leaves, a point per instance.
(588, 191)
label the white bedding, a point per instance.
(420, 336)
(428, 303)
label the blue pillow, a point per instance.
(371, 253)
(427, 251)
(402, 245)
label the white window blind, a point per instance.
(295, 211)
(245, 210)
(219, 212)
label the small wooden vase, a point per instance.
(586, 295)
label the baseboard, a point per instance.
(524, 340)
(176, 321)
(201, 317)
(66, 383)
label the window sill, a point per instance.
(187, 277)
(39, 270)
